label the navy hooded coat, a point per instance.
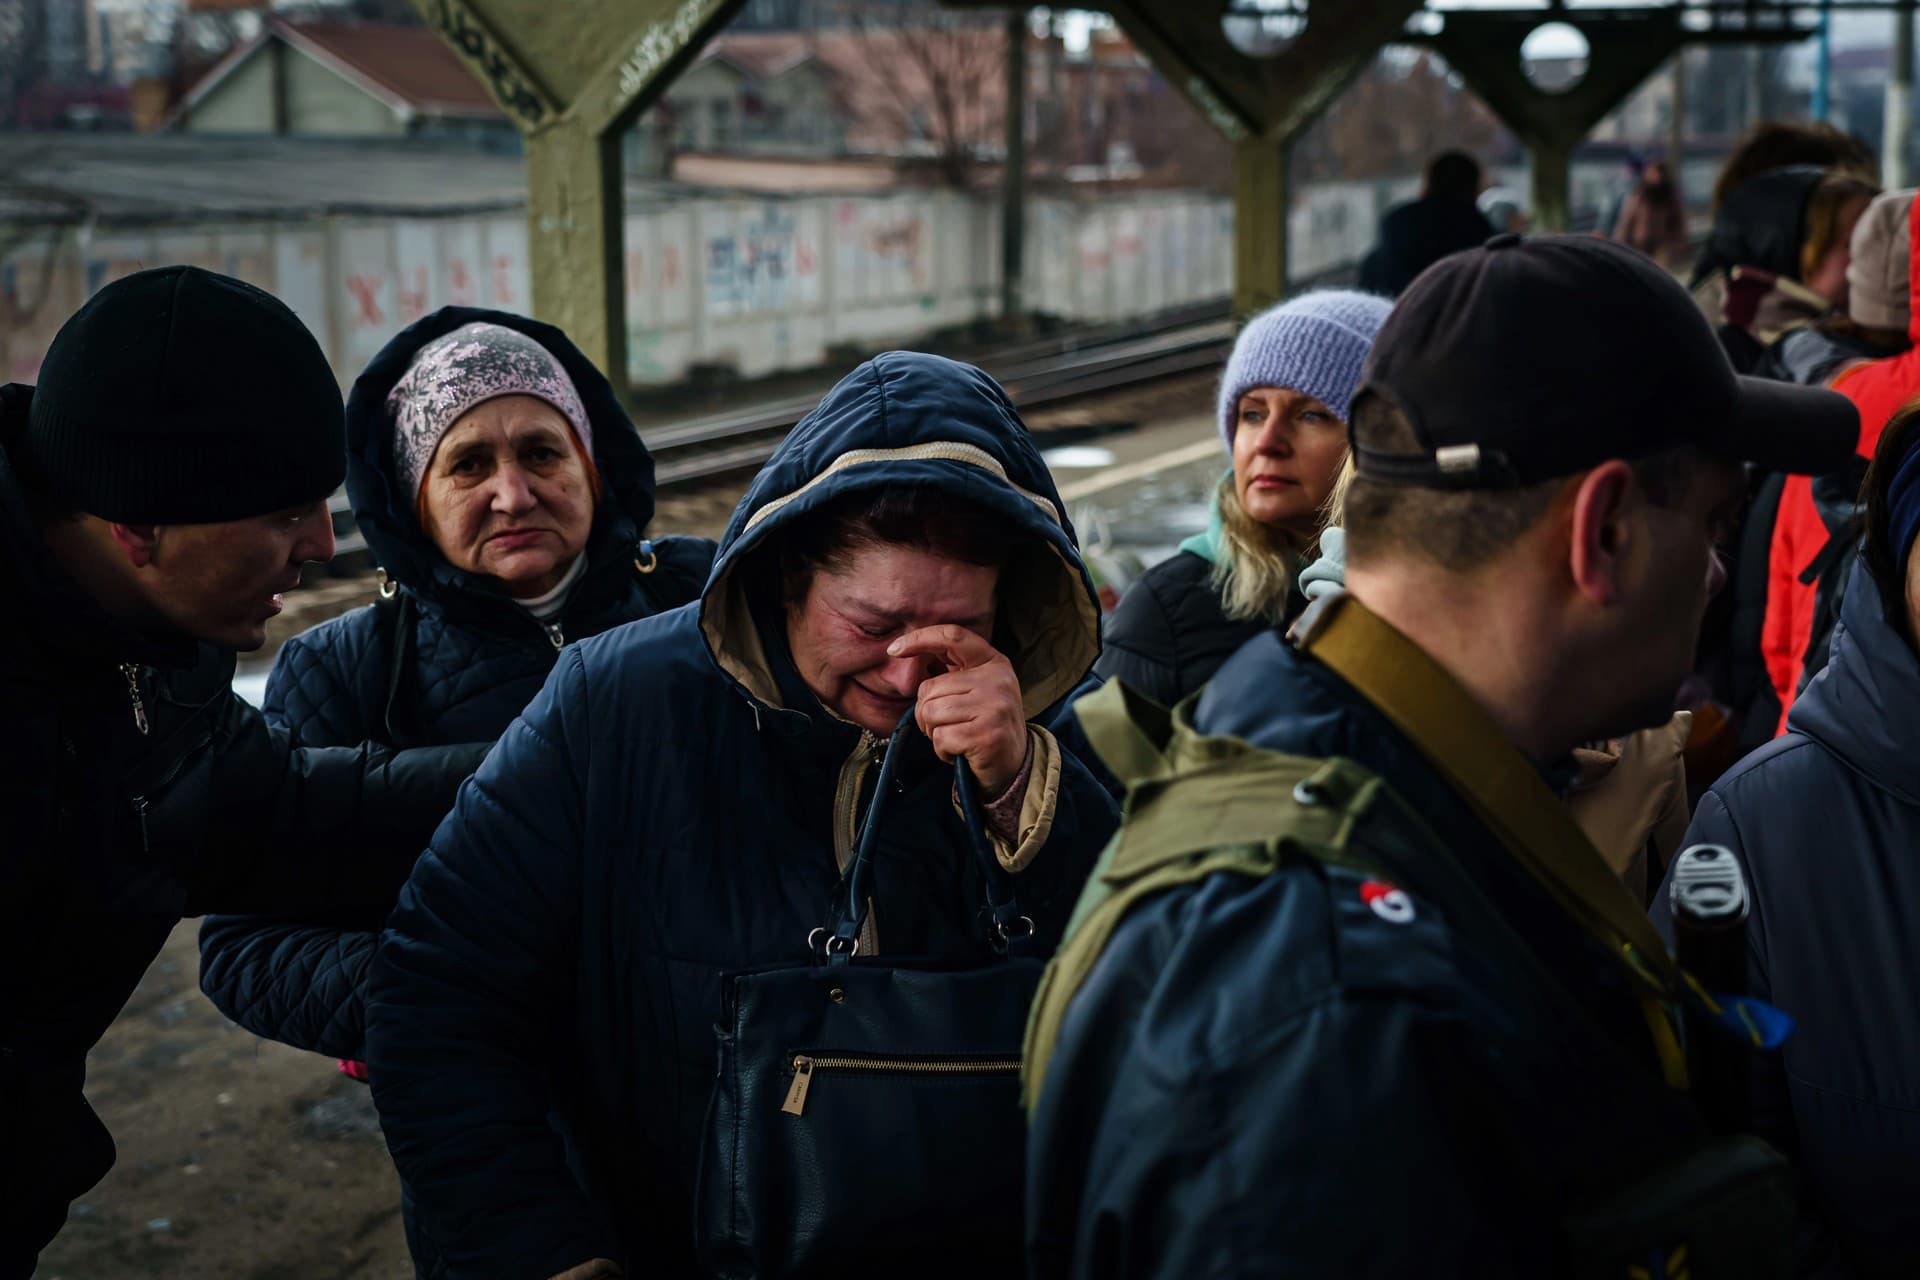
(1826, 821)
(469, 661)
(673, 808)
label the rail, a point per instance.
(1034, 373)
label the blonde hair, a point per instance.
(1334, 512)
(1255, 565)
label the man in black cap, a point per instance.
(1397, 1018)
(160, 488)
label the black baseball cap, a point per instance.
(1534, 357)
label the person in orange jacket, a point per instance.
(1818, 517)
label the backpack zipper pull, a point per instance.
(132, 673)
(555, 634)
(796, 1102)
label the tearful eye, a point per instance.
(876, 633)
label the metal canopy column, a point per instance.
(1260, 104)
(573, 83)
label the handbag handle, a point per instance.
(1012, 932)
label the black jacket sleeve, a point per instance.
(1139, 647)
(249, 822)
(300, 977)
(470, 992)
(298, 980)
(325, 682)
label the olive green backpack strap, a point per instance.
(1195, 806)
(1130, 732)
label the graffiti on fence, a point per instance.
(665, 264)
(756, 267)
(414, 297)
(365, 292)
(884, 246)
(503, 291)
(460, 286)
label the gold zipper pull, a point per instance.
(796, 1102)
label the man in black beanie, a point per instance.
(159, 488)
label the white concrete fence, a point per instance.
(761, 284)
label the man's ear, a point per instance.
(1601, 535)
(138, 542)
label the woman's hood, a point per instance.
(1762, 224)
(904, 419)
(1865, 706)
(386, 514)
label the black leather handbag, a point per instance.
(866, 1119)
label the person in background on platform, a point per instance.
(1874, 323)
(1781, 144)
(1776, 259)
(1504, 209)
(506, 495)
(160, 487)
(678, 804)
(1421, 1053)
(1633, 165)
(1417, 234)
(1817, 522)
(1654, 217)
(1776, 265)
(1824, 821)
(1282, 413)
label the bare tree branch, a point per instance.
(935, 74)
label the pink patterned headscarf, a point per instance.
(459, 370)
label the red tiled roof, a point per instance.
(412, 64)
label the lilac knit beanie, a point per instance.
(461, 369)
(1314, 343)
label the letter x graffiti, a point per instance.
(366, 292)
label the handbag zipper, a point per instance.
(805, 1064)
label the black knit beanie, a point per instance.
(177, 396)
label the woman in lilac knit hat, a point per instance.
(1283, 410)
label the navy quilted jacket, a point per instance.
(1825, 820)
(471, 659)
(669, 810)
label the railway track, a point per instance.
(711, 448)
(1035, 373)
